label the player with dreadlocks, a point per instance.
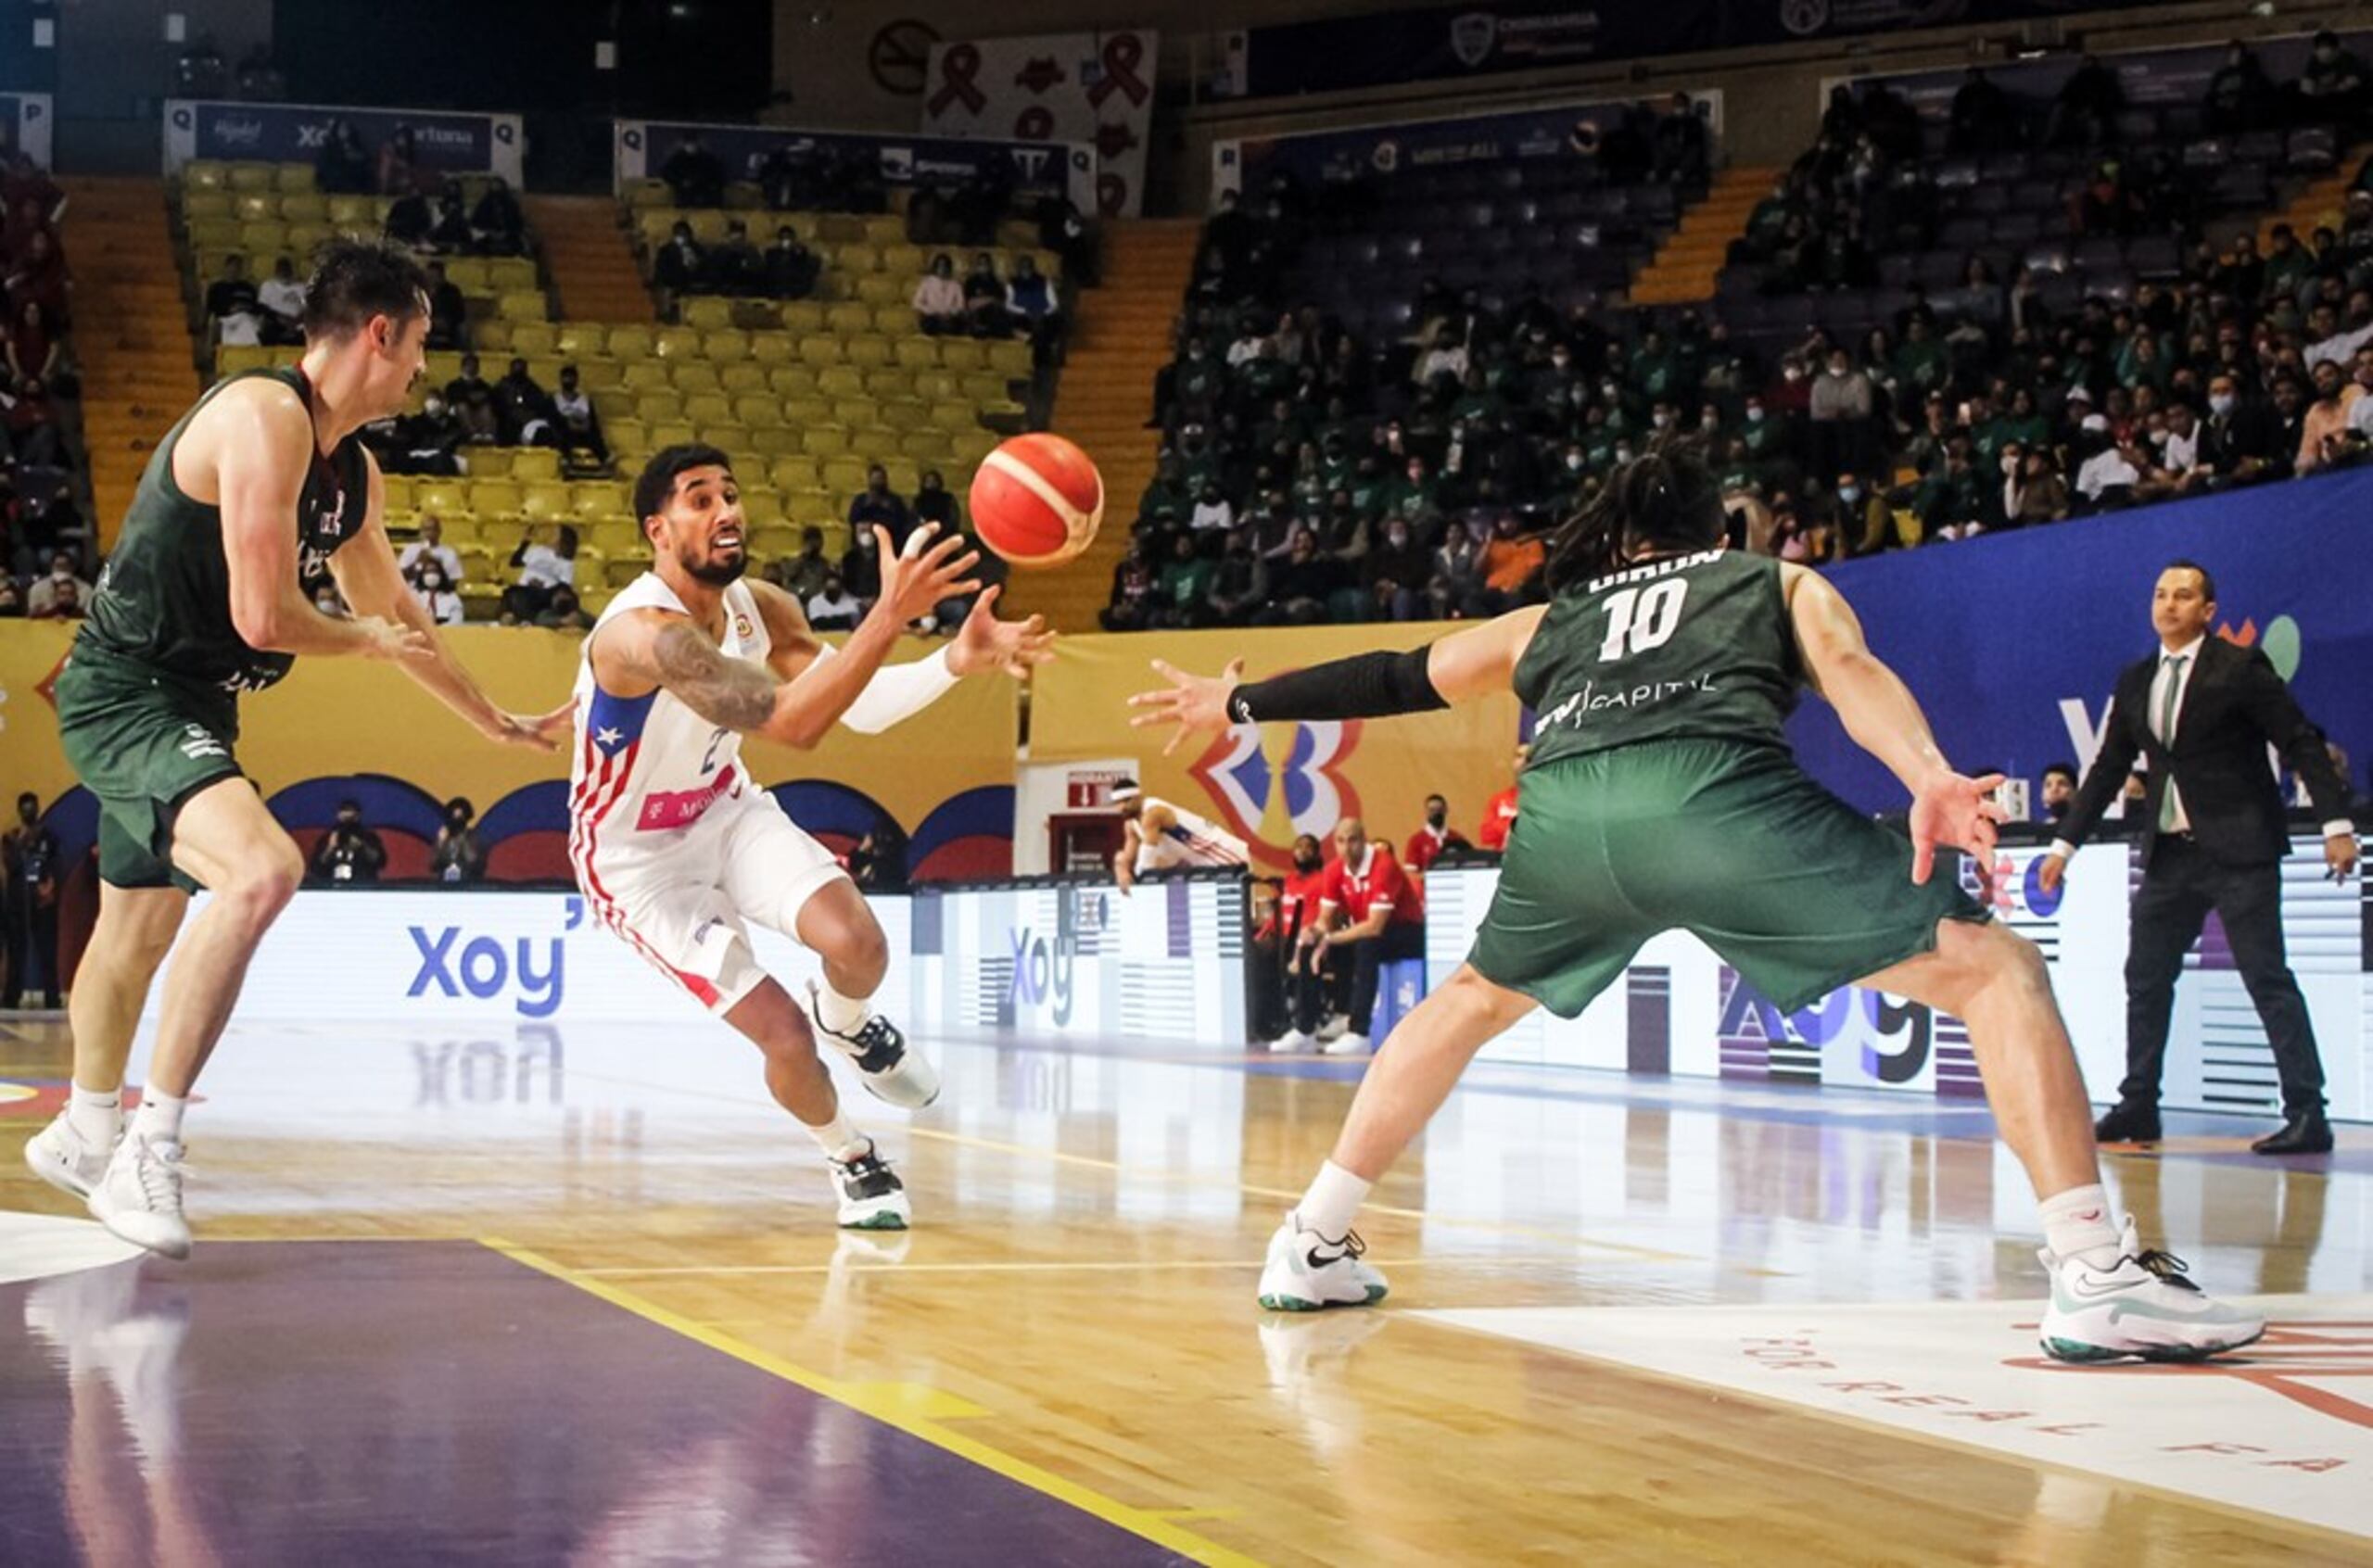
(1661, 795)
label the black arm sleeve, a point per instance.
(1364, 685)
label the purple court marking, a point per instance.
(414, 1402)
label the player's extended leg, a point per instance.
(136, 930)
(871, 1198)
(1314, 1257)
(225, 839)
(837, 926)
(2111, 1298)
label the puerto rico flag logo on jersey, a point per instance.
(1268, 799)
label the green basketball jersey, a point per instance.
(164, 598)
(1687, 647)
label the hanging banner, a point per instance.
(1267, 783)
(1381, 152)
(1342, 53)
(455, 144)
(1092, 87)
(1033, 167)
(25, 121)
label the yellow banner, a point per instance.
(1270, 783)
(338, 717)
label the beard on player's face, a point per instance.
(714, 564)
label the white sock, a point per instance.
(2076, 1225)
(1334, 1197)
(159, 1119)
(842, 1014)
(95, 1117)
(839, 1137)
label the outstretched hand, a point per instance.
(1953, 812)
(983, 642)
(1197, 704)
(537, 731)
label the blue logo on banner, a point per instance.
(1042, 971)
(532, 974)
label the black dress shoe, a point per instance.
(2307, 1132)
(2126, 1123)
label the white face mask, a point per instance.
(1849, 494)
(2220, 403)
(1661, 421)
(1754, 416)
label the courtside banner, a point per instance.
(25, 121)
(1382, 151)
(454, 143)
(2013, 643)
(1267, 783)
(1036, 167)
(1679, 1010)
(1091, 87)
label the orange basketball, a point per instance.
(1036, 501)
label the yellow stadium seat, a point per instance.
(267, 238)
(986, 388)
(904, 473)
(593, 566)
(787, 474)
(534, 464)
(937, 386)
(725, 345)
(251, 176)
(759, 410)
(792, 381)
(839, 228)
(775, 538)
(841, 381)
(619, 572)
(873, 442)
(954, 414)
(761, 508)
(960, 353)
(903, 414)
(612, 403)
(544, 502)
(444, 497)
(677, 342)
(1010, 357)
(802, 318)
(810, 409)
(705, 409)
(496, 498)
(812, 504)
(524, 305)
(207, 203)
(491, 463)
(654, 408)
(647, 377)
(533, 340)
(871, 351)
(742, 378)
(823, 440)
(845, 475)
(506, 274)
(847, 320)
(733, 439)
(306, 238)
(580, 340)
(967, 448)
(648, 192)
(884, 228)
(884, 288)
(890, 381)
(771, 441)
(628, 437)
(293, 176)
(890, 321)
(217, 234)
(396, 490)
(629, 342)
(594, 499)
(230, 358)
(255, 207)
(205, 174)
(855, 412)
(616, 536)
(925, 443)
(773, 348)
(916, 351)
(706, 312)
(469, 273)
(354, 211)
(671, 433)
(708, 222)
(821, 350)
(691, 376)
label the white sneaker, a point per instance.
(139, 1197)
(892, 1074)
(872, 1198)
(2143, 1308)
(1349, 1045)
(60, 1155)
(1307, 1271)
(1334, 1027)
(1293, 1042)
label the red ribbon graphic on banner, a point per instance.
(1123, 54)
(958, 67)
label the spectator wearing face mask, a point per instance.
(834, 608)
(60, 596)
(349, 855)
(1426, 845)
(498, 227)
(1308, 979)
(791, 268)
(939, 299)
(523, 408)
(434, 589)
(1840, 408)
(448, 312)
(802, 576)
(563, 613)
(861, 569)
(457, 860)
(576, 424)
(680, 264)
(1239, 583)
(1865, 520)
(544, 569)
(2238, 440)
(877, 504)
(1394, 574)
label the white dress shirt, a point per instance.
(2170, 671)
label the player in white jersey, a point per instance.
(1158, 835)
(676, 847)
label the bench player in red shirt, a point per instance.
(1384, 921)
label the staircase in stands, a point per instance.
(1104, 401)
(1685, 267)
(588, 259)
(130, 332)
(2322, 205)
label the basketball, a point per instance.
(1036, 501)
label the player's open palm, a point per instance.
(393, 639)
(929, 570)
(537, 731)
(986, 643)
(1949, 811)
(1197, 704)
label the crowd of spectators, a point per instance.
(471, 411)
(1307, 474)
(46, 543)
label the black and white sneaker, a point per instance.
(892, 1074)
(872, 1198)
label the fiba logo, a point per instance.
(1308, 784)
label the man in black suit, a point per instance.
(2203, 711)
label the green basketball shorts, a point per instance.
(143, 744)
(1733, 844)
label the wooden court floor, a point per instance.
(531, 1294)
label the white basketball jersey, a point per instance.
(1190, 840)
(649, 768)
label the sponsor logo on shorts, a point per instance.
(200, 742)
